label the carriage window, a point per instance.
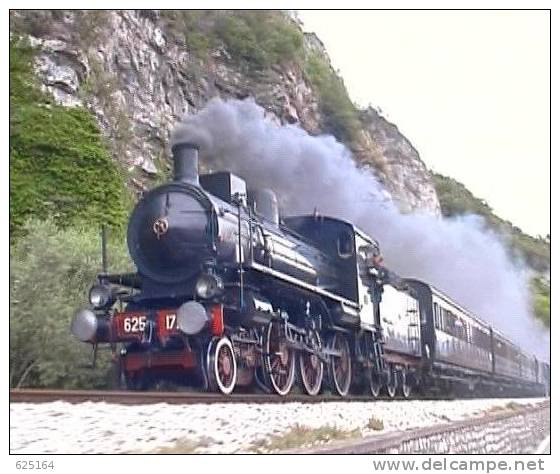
(452, 324)
(459, 328)
(345, 245)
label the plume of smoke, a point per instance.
(457, 255)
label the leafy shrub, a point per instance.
(50, 273)
(260, 38)
(341, 116)
(194, 28)
(456, 199)
(255, 39)
(39, 23)
(541, 300)
(59, 165)
(88, 25)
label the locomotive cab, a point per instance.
(348, 247)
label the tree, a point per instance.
(50, 273)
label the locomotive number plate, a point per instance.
(167, 322)
(134, 324)
(130, 325)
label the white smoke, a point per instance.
(457, 255)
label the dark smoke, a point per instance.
(458, 255)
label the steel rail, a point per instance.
(25, 395)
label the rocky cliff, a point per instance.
(138, 71)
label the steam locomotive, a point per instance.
(227, 295)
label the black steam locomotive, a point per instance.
(228, 294)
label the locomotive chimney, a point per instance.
(185, 163)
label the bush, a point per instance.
(456, 199)
(51, 271)
(341, 117)
(255, 39)
(541, 300)
(59, 165)
(260, 38)
(194, 28)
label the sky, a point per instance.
(470, 90)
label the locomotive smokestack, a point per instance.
(185, 163)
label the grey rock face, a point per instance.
(138, 79)
(407, 177)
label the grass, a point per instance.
(513, 406)
(507, 406)
(184, 446)
(375, 424)
(301, 435)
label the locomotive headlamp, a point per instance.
(84, 325)
(208, 286)
(100, 296)
(192, 318)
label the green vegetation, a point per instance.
(375, 424)
(260, 38)
(62, 182)
(103, 87)
(88, 30)
(541, 300)
(254, 39)
(191, 28)
(513, 406)
(507, 406)
(299, 435)
(456, 199)
(59, 165)
(341, 115)
(50, 272)
(185, 446)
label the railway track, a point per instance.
(177, 397)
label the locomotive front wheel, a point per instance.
(340, 365)
(221, 365)
(311, 367)
(279, 359)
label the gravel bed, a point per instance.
(97, 427)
